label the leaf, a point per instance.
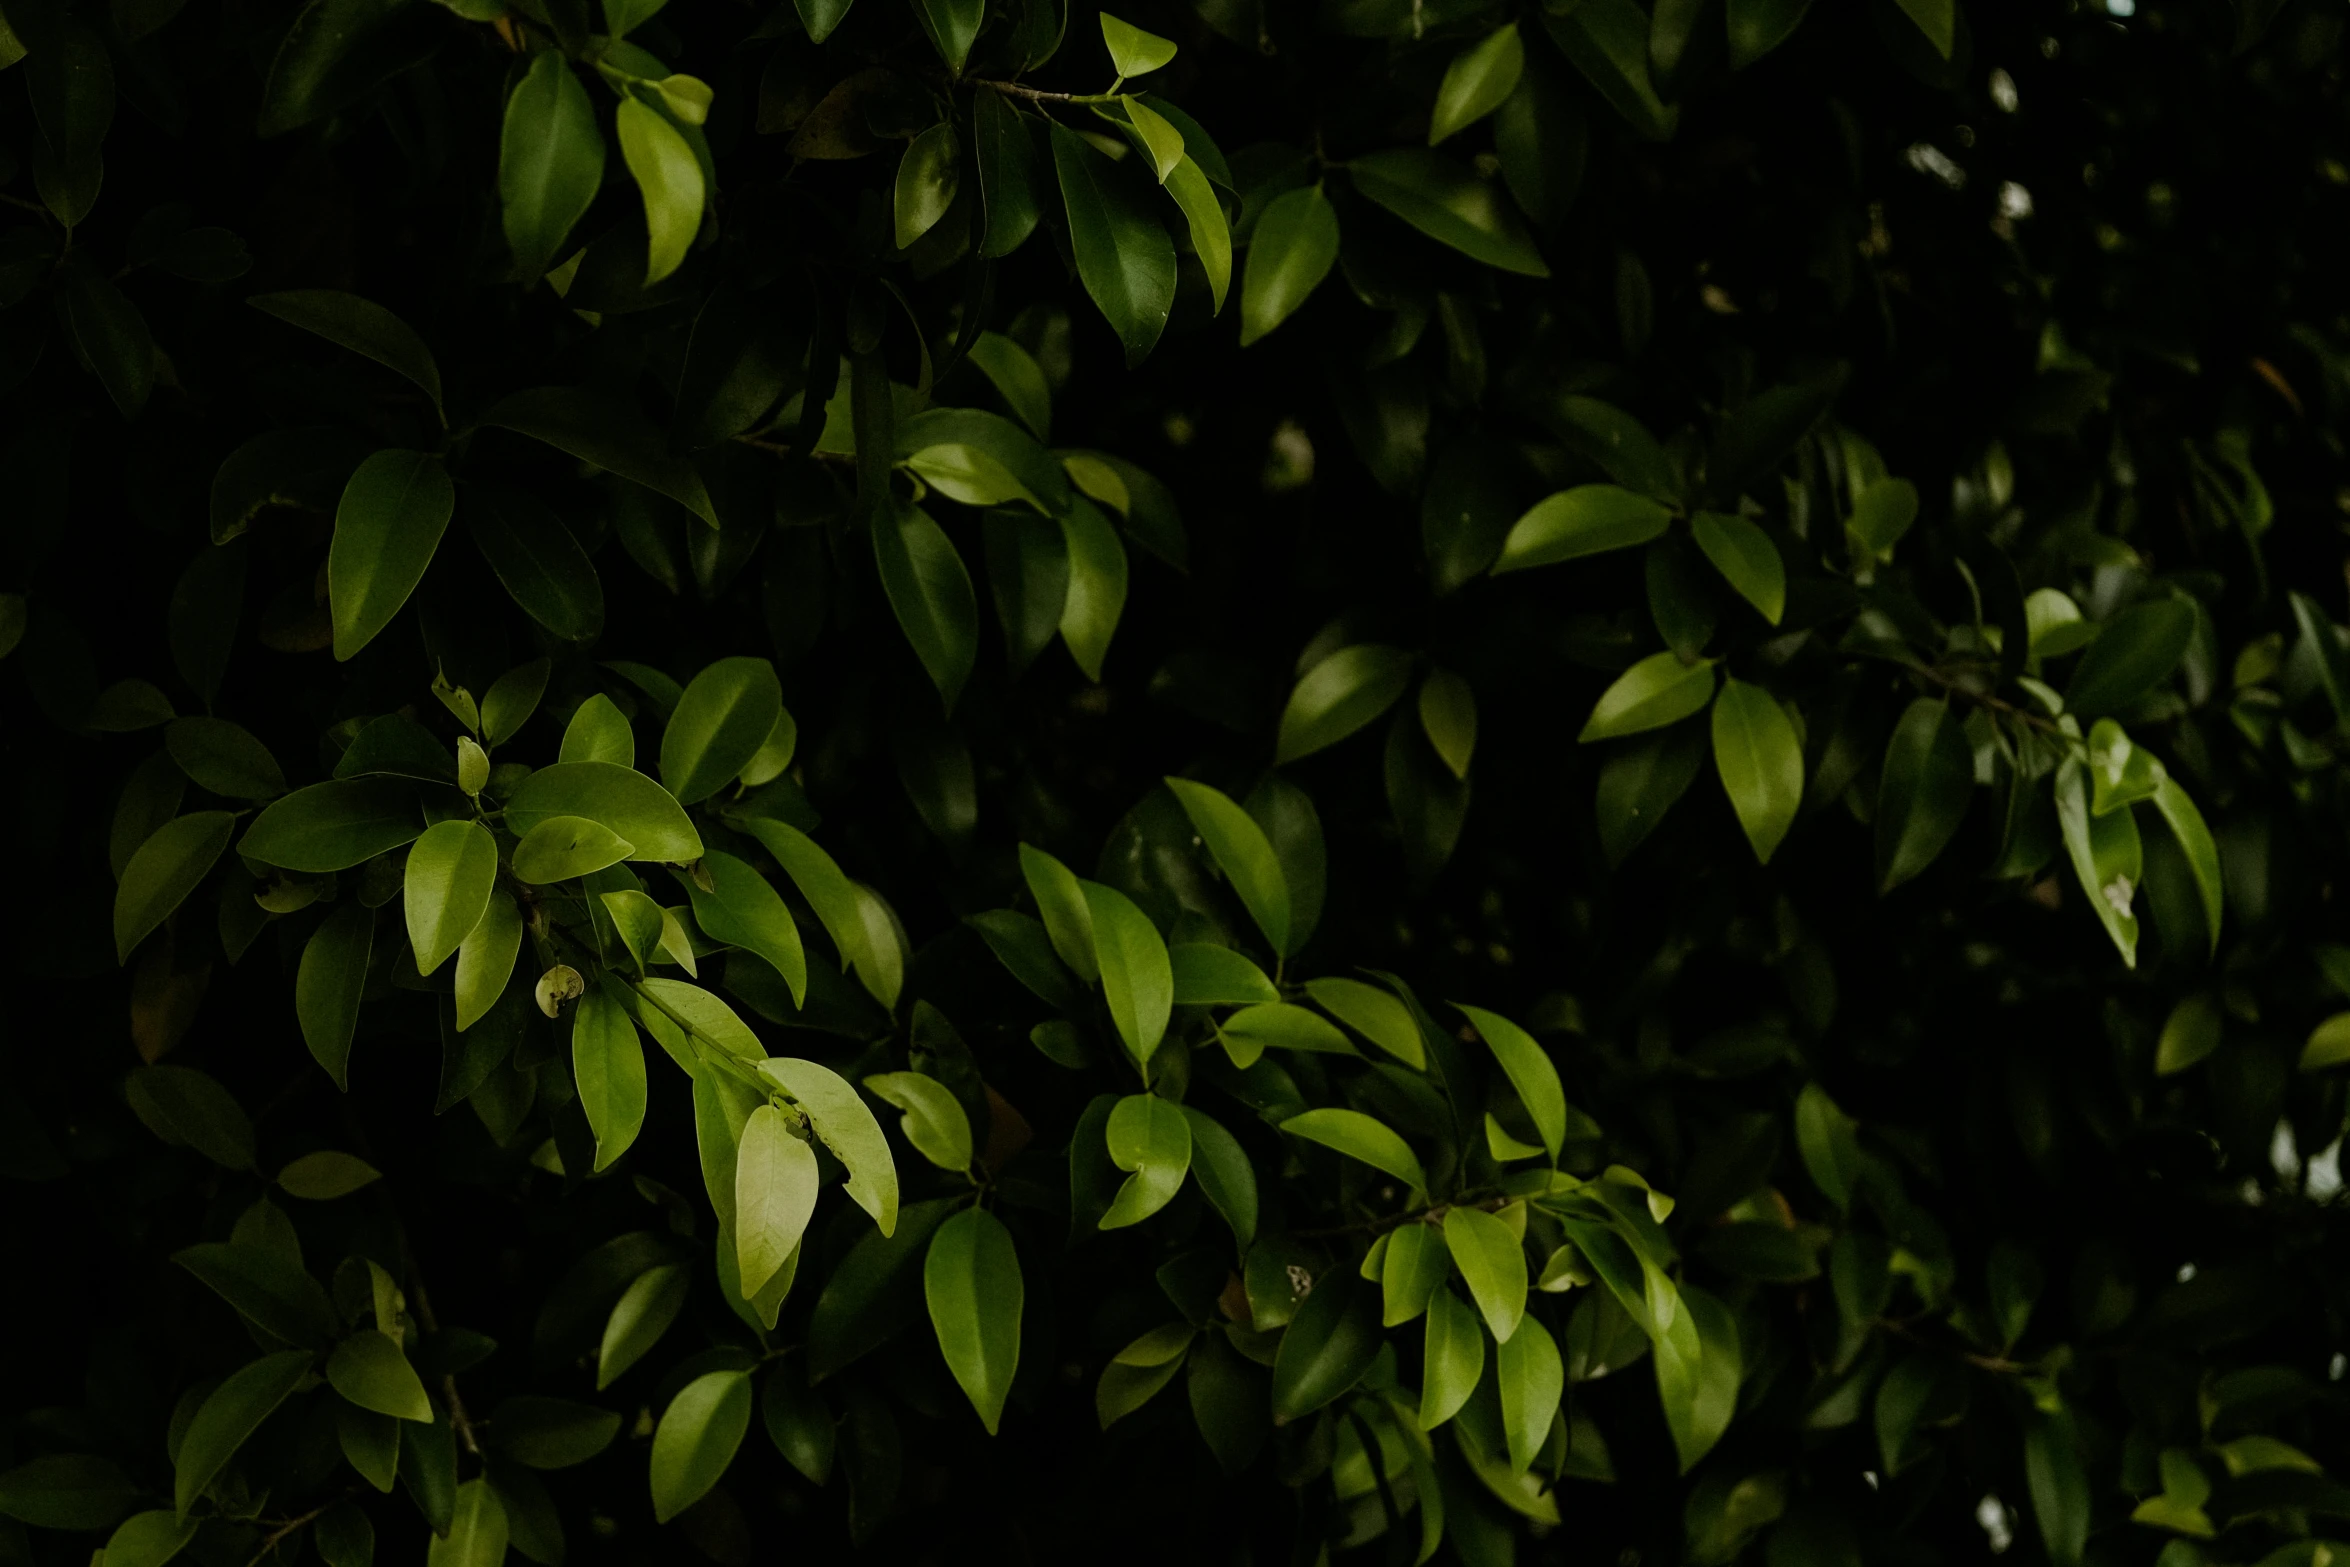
(820, 17)
(1938, 20)
(1413, 1268)
(720, 723)
(951, 25)
(1203, 215)
(1134, 52)
(1005, 153)
(598, 732)
(1476, 83)
(1697, 1373)
(1448, 717)
(2328, 1044)
(1340, 695)
(971, 1280)
(1492, 1261)
(2121, 773)
(70, 81)
(2053, 1470)
(1530, 1071)
(1375, 1014)
(2324, 642)
(390, 521)
(328, 986)
(451, 871)
(1242, 852)
(1327, 1347)
(775, 1184)
(1589, 519)
(1014, 372)
(697, 1438)
(1209, 975)
(931, 593)
(635, 809)
(1225, 1176)
(847, 1126)
(1657, 691)
(1608, 42)
(167, 867)
(931, 169)
(611, 434)
(1922, 795)
(1453, 1361)
(1759, 26)
(1450, 205)
(1881, 514)
(1096, 594)
(873, 1292)
(561, 848)
(1747, 560)
(111, 336)
(2135, 652)
(669, 178)
(365, 328)
(1149, 1137)
(147, 1539)
(267, 1288)
(608, 1067)
(538, 560)
(1250, 1032)
(935, 1121)
(2107, 858)
(232, 1412)
(478, 1530)
(2191, 1033)
(485, 959)
(369, 1369)
(1138, 984)
(1829, 1142)
(224, 758)
(550, 162)
(645, 1310)
(1531, 1378)
(2195, 842)
(1290, 251)
(75, 1491)
(742, 910)
(333, 826)
(1358, 1136)
(336, 53)
(1761, 763)
(327, 1174)
(1123, 255)
(189, 1109)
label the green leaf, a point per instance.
(2195, 841)
(1203, 215)
(389, 523)
(775, 1185)
(636, 809)
(1922, 795)
(167, 867)
(550, 162)
(1208, 975)
(1532, 1379)
(1697, 1373)
(111, 336)
(935, 1121)
(485, 959)
(1413, 1268)
(873, 1292)
(831, 894)
(451, 871)
(799, 1424)
(1375, 1014)
(147, 1539)
(224, 758)
(1290, 251)
(365, 328)
(1149, 1137)
(1608, 42)
(189, 1109)
(2053, 1469)
(2136, 651)
(1530, 1071)
(742, 910)
(1589, 519)
(1657, 691)
(1327, 1347)
(327, 1174)
(1243, 853)
(669, 178)
(930, 591)
(1938, 20)
(1096, 594)
(232, 1412)
(1639, 783)
(951, 25)
(2107, 857)
(1225, 1176)
(2191, 1032)
(1450, 205)
(369, 1369)
(608, 1065)
(1478, 80)
(1340, 695)
(336, 53)
(1747, 560)
(2121, 773)
(719, 724)
(1250, 1032)
(1492, 1261)
(1761, 762)
(820, 17)
(478, 1530)
(1008, 181)
(1014, 372)
(1453, 1360)
(71, 84)
(1759, 26)
(1829, 1141)
(599, 429)
(1134, 52)
(697, 1438)
(848, 1127)
(1358, 1136)
(1448, 717)
(328, 986)
(1123, 255)
(2328, 1044)
(645, 1310)
(560, 848)
(540, 563)
(1061, 903)
(1138, 984)
(971, 1280)
(931, 169)
(598, 732)
(1881, 514)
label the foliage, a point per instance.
(1787, 555)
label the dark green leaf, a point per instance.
(550, 162)
(1450, 205)
(364, 327)
(1922, 797)
(1124, 257)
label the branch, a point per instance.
(1396, 1221)
(270, 1540)
(459, 1420)
(1038, 94)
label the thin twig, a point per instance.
(459, 1421)
(1396, 1221)
(269, 1541)
(1038, 94)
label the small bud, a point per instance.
(473, 765)
(558, 985)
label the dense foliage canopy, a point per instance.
(1389, 780)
